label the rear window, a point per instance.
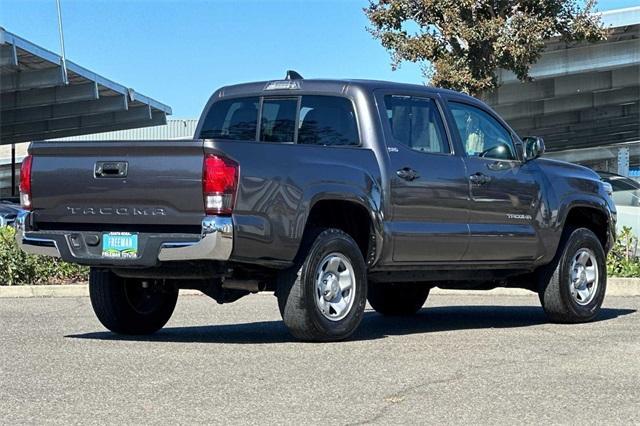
(319, 120)
(278, 119)
(234, 119)
(327, 120)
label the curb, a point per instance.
(616, 287)
(66, 290)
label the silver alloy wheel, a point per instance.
(335, 287)
(584, 276)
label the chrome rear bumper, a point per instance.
(215, 242)
(33, 245)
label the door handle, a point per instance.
(407, 173)
(111, 169)
(479, 179)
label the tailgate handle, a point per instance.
(111, 169)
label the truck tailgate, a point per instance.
(117, 182)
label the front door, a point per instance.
(503, 190)
(429, 190)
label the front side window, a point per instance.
(481, 134)
(234, 119)
(327, 120)
(416, 123)
(278, 119)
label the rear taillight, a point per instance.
(25, 182)
(219, 184)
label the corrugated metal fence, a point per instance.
(174, 129)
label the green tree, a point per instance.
(462, 43)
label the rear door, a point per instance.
(504, 191)
(429, 192)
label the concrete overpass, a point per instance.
(584, 99)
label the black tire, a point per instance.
(296, 290)
(555, 288)
(397, 299)
(126, 306)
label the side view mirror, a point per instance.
(499, 151)
(533, 147)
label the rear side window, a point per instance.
(278, 119)
(327, 120)
(416, 123)
(234, 119)
(311, 120)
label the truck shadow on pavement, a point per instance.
(373, 326)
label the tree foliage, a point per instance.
(465, 42)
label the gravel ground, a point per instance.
(462, 359)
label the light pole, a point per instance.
(64, 59)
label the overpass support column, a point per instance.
(623, 161)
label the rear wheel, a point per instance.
(130, 306)
(572, 287)
(322, 298)
(397, 299)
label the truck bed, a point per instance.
(121, 203)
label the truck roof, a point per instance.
(324, 86)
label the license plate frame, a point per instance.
(120, 245)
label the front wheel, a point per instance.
(572, 287)
(322, 297)
(130, 306)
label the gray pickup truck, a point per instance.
(328, 193)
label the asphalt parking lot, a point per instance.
(462, 359)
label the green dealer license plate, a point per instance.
(120, 245)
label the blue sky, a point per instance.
(178, 52)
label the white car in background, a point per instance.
(626, 195)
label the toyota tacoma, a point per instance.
(329, 193)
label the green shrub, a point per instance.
(17, 267)
(623, 260)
